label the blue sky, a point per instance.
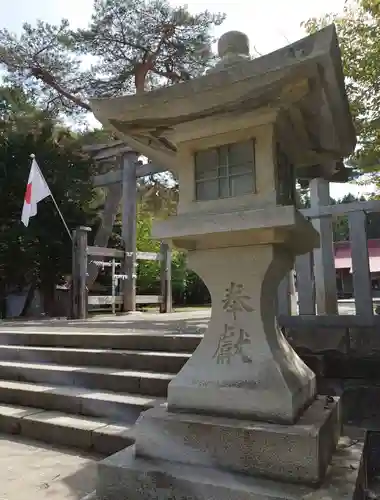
(269, 24)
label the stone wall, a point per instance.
(346, 360)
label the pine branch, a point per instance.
(49, 80)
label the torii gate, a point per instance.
(121, 186)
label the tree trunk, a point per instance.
(28, 300)
(48, 297)
(112, 203)
(3, 304)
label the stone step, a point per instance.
(107, 379)
(101, 436)
(142, 341)
(77, 400)
(161, 361)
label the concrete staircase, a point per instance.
(85, 387)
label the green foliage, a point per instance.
(187, 287)
(148, 272)
(340, 224)
(132, 45)
(358, 31)
(196, 292)
(302, 197)
(41, 253)
(158, 195)
(341, 228)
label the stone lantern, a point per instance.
(245, 402)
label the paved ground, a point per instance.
(192, 321)
(33, 471)
(346, 308)
(186, 321)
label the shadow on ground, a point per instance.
(82, 482)
(32, 470)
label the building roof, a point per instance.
(343, 259)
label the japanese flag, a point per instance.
(36, 190)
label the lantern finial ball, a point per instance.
(233, 43)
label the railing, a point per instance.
(82, 301)
(317, 301)
(99, 302)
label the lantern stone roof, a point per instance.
(303, 82)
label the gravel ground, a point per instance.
(33, 471)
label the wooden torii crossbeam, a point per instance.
(111, 152)
(121, 185)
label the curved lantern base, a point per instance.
(244, 367)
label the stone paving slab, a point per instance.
(34, 471)
(31, 471)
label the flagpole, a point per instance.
(63, 220)
(33, 156)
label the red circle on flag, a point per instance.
(28, 193)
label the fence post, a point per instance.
(79, 292)
(114, 284)
(129, 214)
(284, 296)
(166, 278)
(361, 276)
(305, 284)
(324, 266)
